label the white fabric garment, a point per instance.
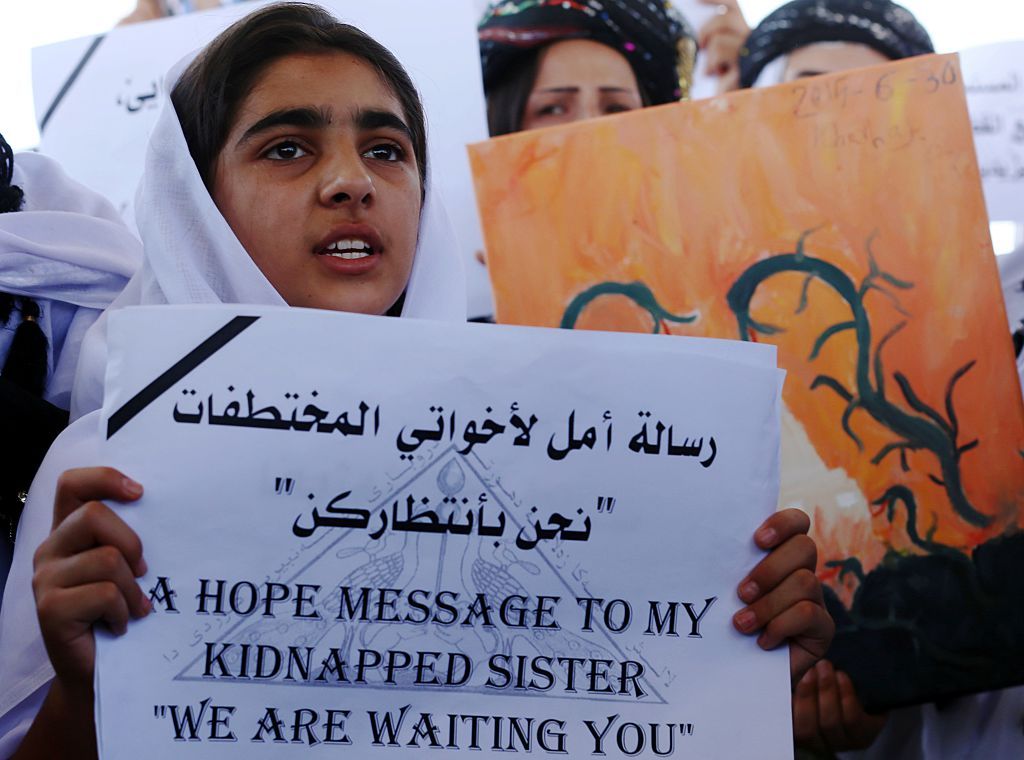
(191, 256)
(983, 726)
(68, 250)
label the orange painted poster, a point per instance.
(842, 219)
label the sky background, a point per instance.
(30, 23)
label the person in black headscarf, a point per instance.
(548, 62)
(809, 37)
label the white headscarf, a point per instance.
(191, 256)
(68, 250)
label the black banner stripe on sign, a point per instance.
(70, 81)
(189, 362)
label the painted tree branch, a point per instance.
(637, 292)
(920, 428)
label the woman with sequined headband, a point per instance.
(809, 37)
(549, 62)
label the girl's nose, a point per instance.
(347, 180)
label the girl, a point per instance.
(292, 169)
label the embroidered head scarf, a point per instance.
(889, 28)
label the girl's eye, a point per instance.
(285, 151)
(385, 152)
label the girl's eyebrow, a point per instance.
(308, 117)
(370, 119)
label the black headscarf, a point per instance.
(651, 34)
(887, 27)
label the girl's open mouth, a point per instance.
(351, 249)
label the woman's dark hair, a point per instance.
(507, 98)
(210, 91)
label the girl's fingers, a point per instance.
(805, 712)
(729, 81)
(67, 613)
(115, 608)
(797, 554)
(722, 24)
(730, 21)
(811, 629)
(76, 487)
(104, 563)
(828, 716)
(722, 53)
(93, 524)
(830, 711)
(798, 587)
(782, 526)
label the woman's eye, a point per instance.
(554, 109)
(285, 151)
(385, 152)
(617, 108)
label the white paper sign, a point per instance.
(97, 98)
(393, 536)
(994, 78)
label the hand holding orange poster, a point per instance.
(842, 219)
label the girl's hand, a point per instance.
(85, 570)
(721, 39)
(828, 717)
(783, 595)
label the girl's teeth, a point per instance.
(349, 245)
(350, 255)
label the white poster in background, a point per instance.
(396, 536)
(97, 98)
(994, 79)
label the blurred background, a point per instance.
(31, 23)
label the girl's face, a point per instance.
(580, 79)
(319, 182)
